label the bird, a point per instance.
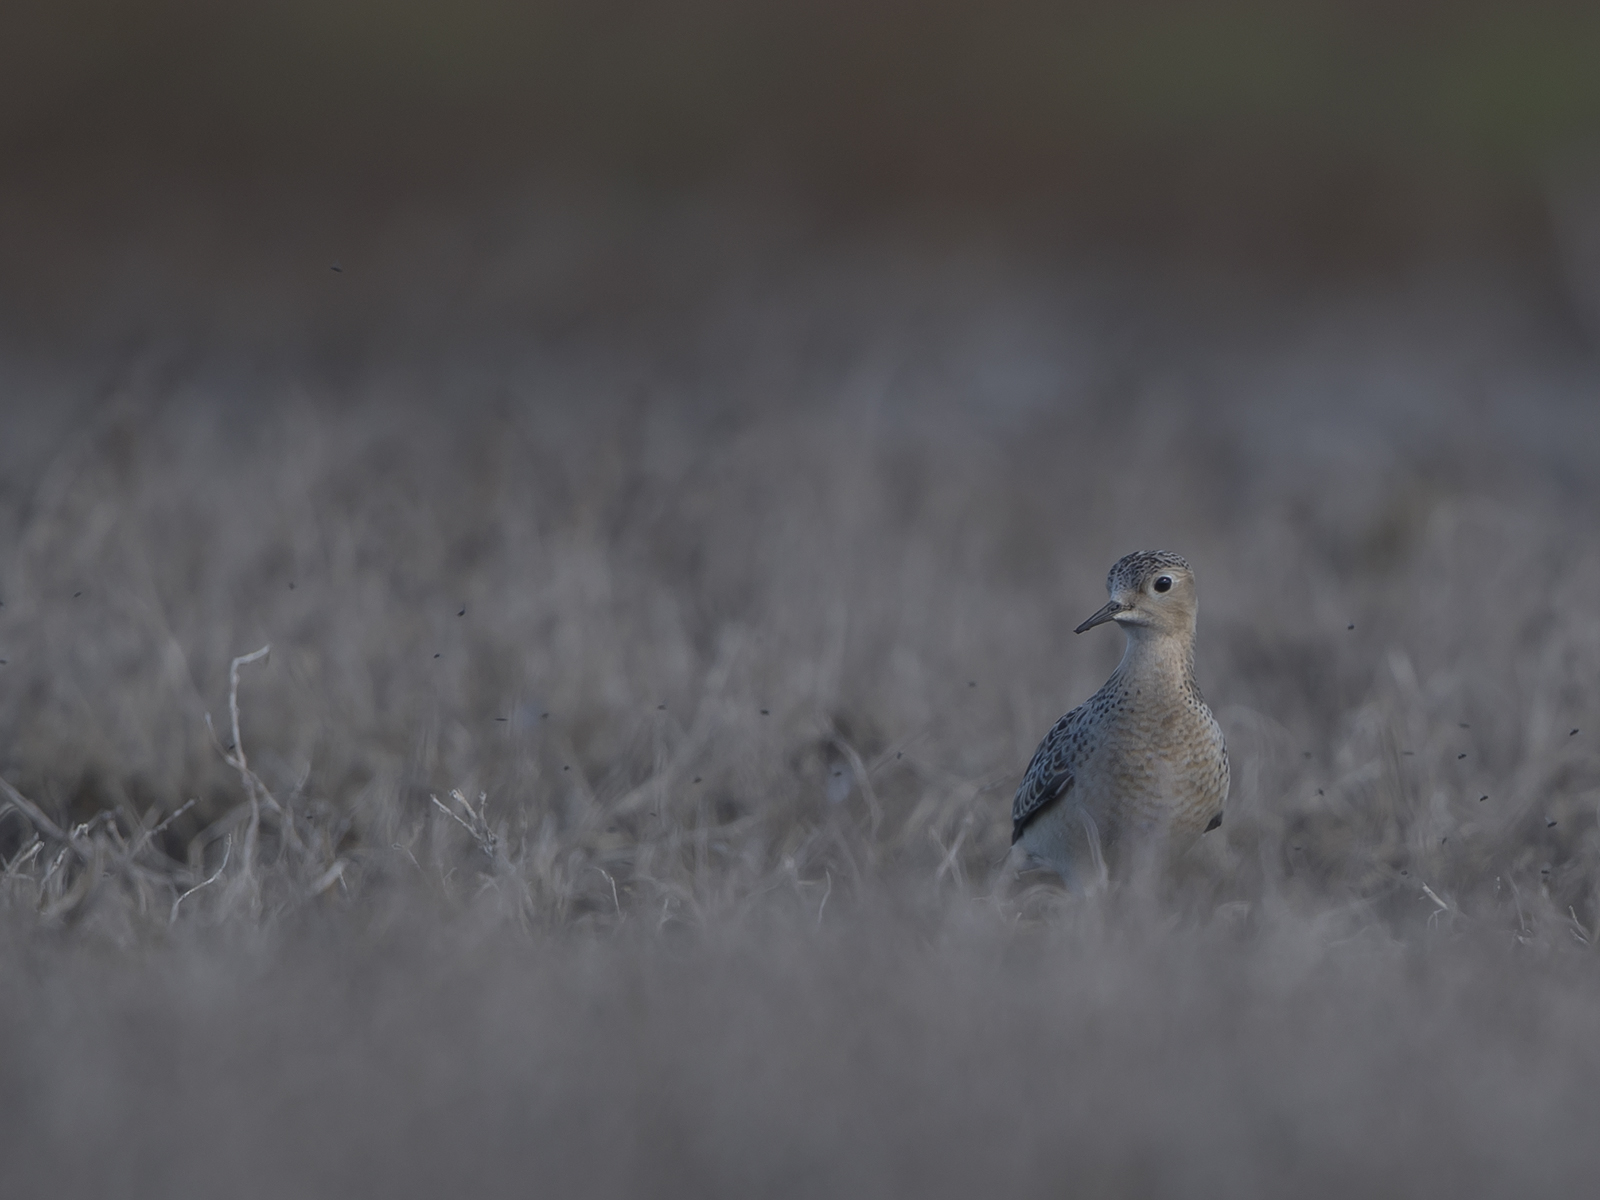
(1141, 767)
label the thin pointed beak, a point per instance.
(1108, 613)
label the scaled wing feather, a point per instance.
(1049, 775)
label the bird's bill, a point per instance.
(1108, 613)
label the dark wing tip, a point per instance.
(1214, 823)
(1039, 797)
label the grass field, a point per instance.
(663, 602)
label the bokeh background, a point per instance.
(666, 449)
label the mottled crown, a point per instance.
(1133, 571)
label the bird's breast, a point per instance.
(1158, 768)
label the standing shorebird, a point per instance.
(1140, 768)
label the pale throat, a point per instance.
(1157, 655)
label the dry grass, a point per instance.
(616, 810)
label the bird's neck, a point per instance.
(1158, 656)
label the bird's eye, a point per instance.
(1164, 583)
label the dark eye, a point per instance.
(1164, 583)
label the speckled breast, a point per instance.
(1160, 773)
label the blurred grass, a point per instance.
(663, 567)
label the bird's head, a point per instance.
(1152, 592)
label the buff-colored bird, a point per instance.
(1140, 769)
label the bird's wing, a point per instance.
(1050, 773)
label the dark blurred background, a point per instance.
(1332, 139)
